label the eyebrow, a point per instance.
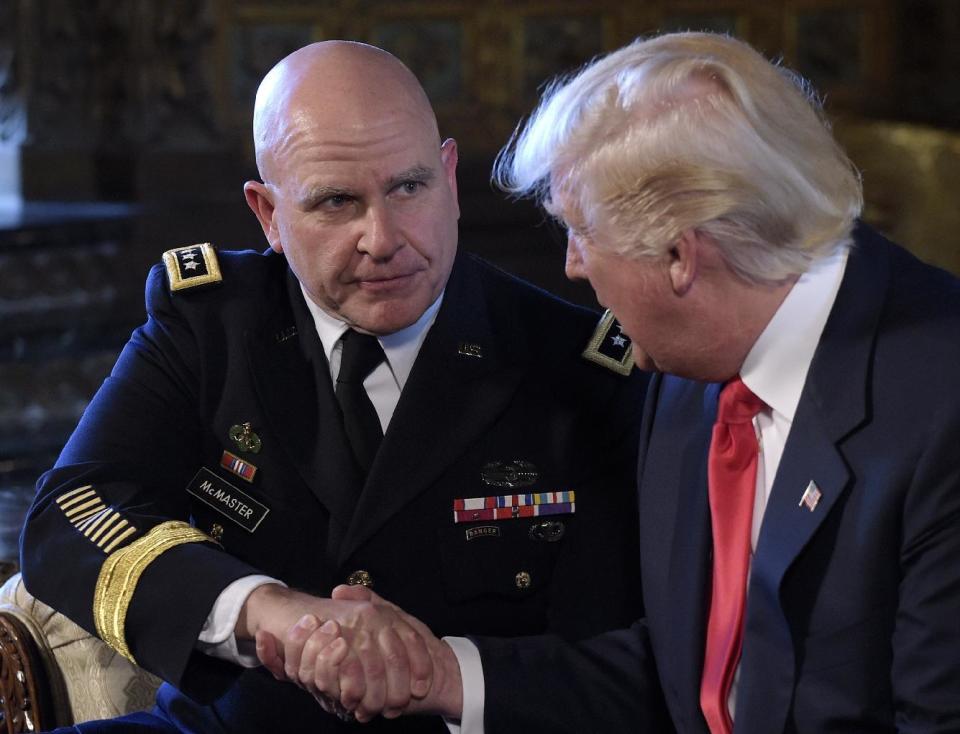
(316, 194)
(421, 174)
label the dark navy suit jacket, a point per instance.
(499, 378)
(853, 616)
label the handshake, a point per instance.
(358, 655)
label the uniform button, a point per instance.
(360, 578)
(522, 580)
(216, 532)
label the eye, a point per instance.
(337, 201)
(410, 188)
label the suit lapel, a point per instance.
(293, 384)
(690, 558)
(834, 403)
(449, 400)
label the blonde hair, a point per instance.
(689, 130)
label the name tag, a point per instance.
(227, 499)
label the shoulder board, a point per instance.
(609, 347)
(191, 266)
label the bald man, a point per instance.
(472, 459)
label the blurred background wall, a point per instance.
(124, 131)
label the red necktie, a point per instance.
(732, 483)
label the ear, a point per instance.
(685, 261)
(448, 158)
(260, 200)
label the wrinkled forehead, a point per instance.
(378, 135)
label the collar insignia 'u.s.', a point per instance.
(609, 346)
(513, 506)
(188, 267)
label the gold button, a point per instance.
(522, 580)
(360, 578)
(216, 532)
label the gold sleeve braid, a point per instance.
(121, 571)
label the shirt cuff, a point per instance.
(471, 674)
(217, 638)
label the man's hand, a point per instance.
(445, 695)
(367, 656)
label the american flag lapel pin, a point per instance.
(811, 496)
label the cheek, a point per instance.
(432, 231)
(318, 253)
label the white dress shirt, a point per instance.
(775, 370)
(383, 387)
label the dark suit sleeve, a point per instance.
(926, 639)
(544, 684)
(133, 453)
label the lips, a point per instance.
(384, 278)
(385, 283)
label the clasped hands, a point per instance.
(356, 653)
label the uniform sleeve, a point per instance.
(107, 540)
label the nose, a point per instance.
(573, 265)
(380, 238)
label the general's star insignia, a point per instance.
(616, 353)
(192, 266)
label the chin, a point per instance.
(388, 323)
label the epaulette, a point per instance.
(192, 266)
(611, 350)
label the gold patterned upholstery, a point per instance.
(81, 677)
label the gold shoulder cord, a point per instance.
(121, 572)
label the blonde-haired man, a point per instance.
(799, 484)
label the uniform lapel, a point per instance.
(293, 383)
(449, 400)
(832, 406)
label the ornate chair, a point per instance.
(54, 673)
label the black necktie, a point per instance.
(360, 356)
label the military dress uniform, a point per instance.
(500, 502)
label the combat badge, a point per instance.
(509, 474)
(195, 265)
(242, 434)
(226, 499)
(609, 346)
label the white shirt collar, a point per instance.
(401, 347)
(776, 366)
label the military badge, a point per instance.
(513, 506)
(243, 436)
(228, 500)
(466, 349)
(482, 531)
(549, 531)
(609, 347)
(195, 265)
(233, 463)
(509, 474)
